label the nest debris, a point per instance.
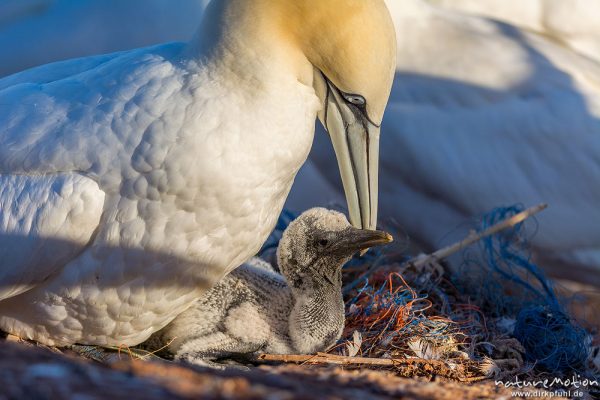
(414, 317)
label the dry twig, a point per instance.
(475, 237)
(441, 254)
(324, 358)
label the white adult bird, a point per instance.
(131, 182)
(483, 115)
(36, 32)
(574, 22)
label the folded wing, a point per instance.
(45, 222)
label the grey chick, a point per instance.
(255, 309)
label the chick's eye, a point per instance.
(323, 242)
(355, 99)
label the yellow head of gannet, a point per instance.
(345, 49)
(357, 65)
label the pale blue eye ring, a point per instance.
(355, 99)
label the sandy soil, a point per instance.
(28, 372)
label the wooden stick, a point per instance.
(323, 358)
(475, 237)
(448, 251)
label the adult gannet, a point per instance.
(255, 309)
(36, 32)
(483, 115)
(132, 182)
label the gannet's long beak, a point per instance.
(356, 143)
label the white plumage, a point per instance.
(132, 182)
(482, 115)
(37, 204)
(151, 131)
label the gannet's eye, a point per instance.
(355, 99)
(323, 242)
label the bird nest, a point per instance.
(421, 318)
(415, 313)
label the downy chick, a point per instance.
(255, 309)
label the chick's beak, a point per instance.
(353, 240)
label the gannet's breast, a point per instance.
(190, 171)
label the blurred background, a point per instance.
(495, 103)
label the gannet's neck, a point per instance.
(254, 128)
(246, 39)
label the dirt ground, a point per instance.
(28, 372)
(34, 372)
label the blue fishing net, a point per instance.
(516, 285)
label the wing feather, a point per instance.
(45, 221)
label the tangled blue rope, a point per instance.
(550, 337)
